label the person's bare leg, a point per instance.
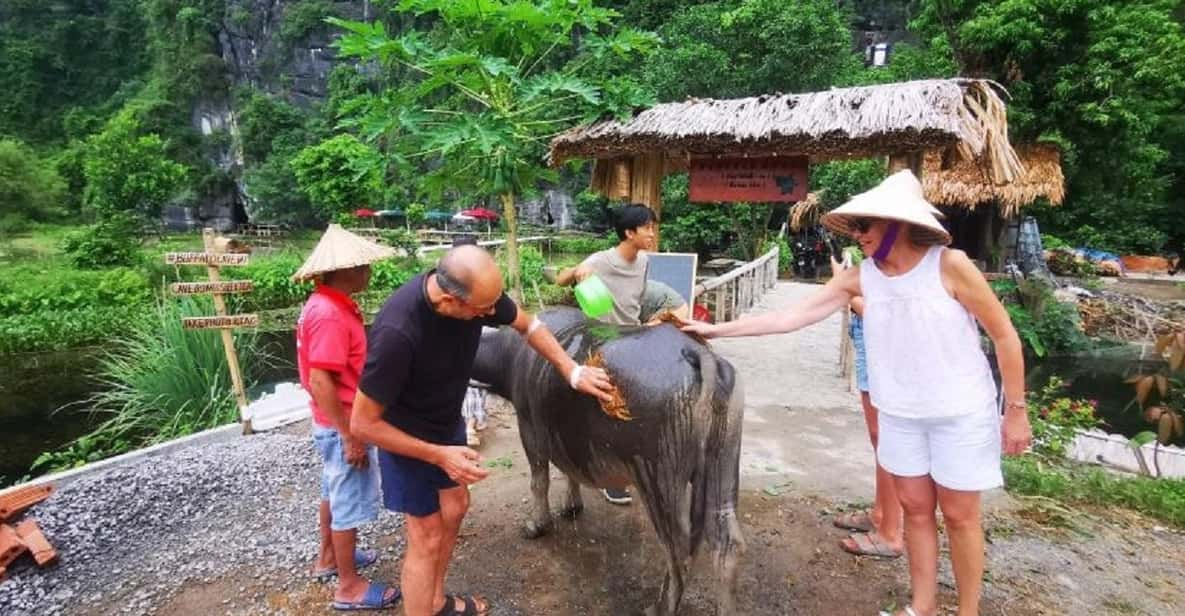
(454, 503)
(887, 517)
(418, 579)
(961, 515)
(350, 586)
(918, 500)
(325, 559)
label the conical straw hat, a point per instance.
(899, 197)
(340, 249)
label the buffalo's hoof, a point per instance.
(535, 530)
(571, 512)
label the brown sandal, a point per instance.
(856, 521)
(869, 544)
(470, 609)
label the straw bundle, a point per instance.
(646, 179)
(805, 213)
(616, 408)
(966, 184)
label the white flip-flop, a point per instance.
(908, 612)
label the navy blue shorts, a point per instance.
(412, 486)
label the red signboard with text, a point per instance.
(773, 179)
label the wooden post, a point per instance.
(228, 343)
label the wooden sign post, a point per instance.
(214, 258)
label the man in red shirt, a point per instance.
(331, 351)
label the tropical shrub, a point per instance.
(159, 383)
(1056, 419)
(25, 291)
(111, 242)
(57, 330)
(29, 187)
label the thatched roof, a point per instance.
(870, 121)
(965, 184)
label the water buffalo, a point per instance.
(680, 448)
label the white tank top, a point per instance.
(923, 350)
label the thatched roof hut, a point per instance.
(964, 184)
(870, 121)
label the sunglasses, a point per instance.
(860, 225)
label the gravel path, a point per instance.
(132, 536)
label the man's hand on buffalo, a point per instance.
(595, 382)
(461, 464)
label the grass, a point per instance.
(159, 383)
(1069, 483)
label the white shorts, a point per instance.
(960, 452)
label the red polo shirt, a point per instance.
(330, 336)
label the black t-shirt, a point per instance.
(418, 362)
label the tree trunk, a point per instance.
(511, 218)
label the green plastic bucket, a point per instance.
(594, 297)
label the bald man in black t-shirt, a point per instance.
(420, 353)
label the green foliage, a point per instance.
(1056, 419)
(415, 214)
(738, 48)
(785, 254)
(56, 330)
(480, 92)
(129, 171)
(701, 228)
(82, 451)
(161, 382)
(838, 181)
(590, 209)
(112, 242)
(303, 18)
(1103, 78)
(531, 261)
(73, 54)
(583, 245)
(275, 194)
(14, 224)
(1044, 324)
(403, 240)
(29, 186)
(390, 274)
(32, 289)
(182, 36)
(339, 175)
(266, 124)
(1052, 242)
(274, 287)
(1163, 499)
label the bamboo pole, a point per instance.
(228, 344)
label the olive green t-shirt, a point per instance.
(626, 281)
(658, 297)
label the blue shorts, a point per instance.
(412, 486)
(352, 492)
(856, 331)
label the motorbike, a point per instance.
(811, 251)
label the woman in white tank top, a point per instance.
(941, 434)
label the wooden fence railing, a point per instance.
(733, 293)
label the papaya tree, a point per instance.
(475, 89)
